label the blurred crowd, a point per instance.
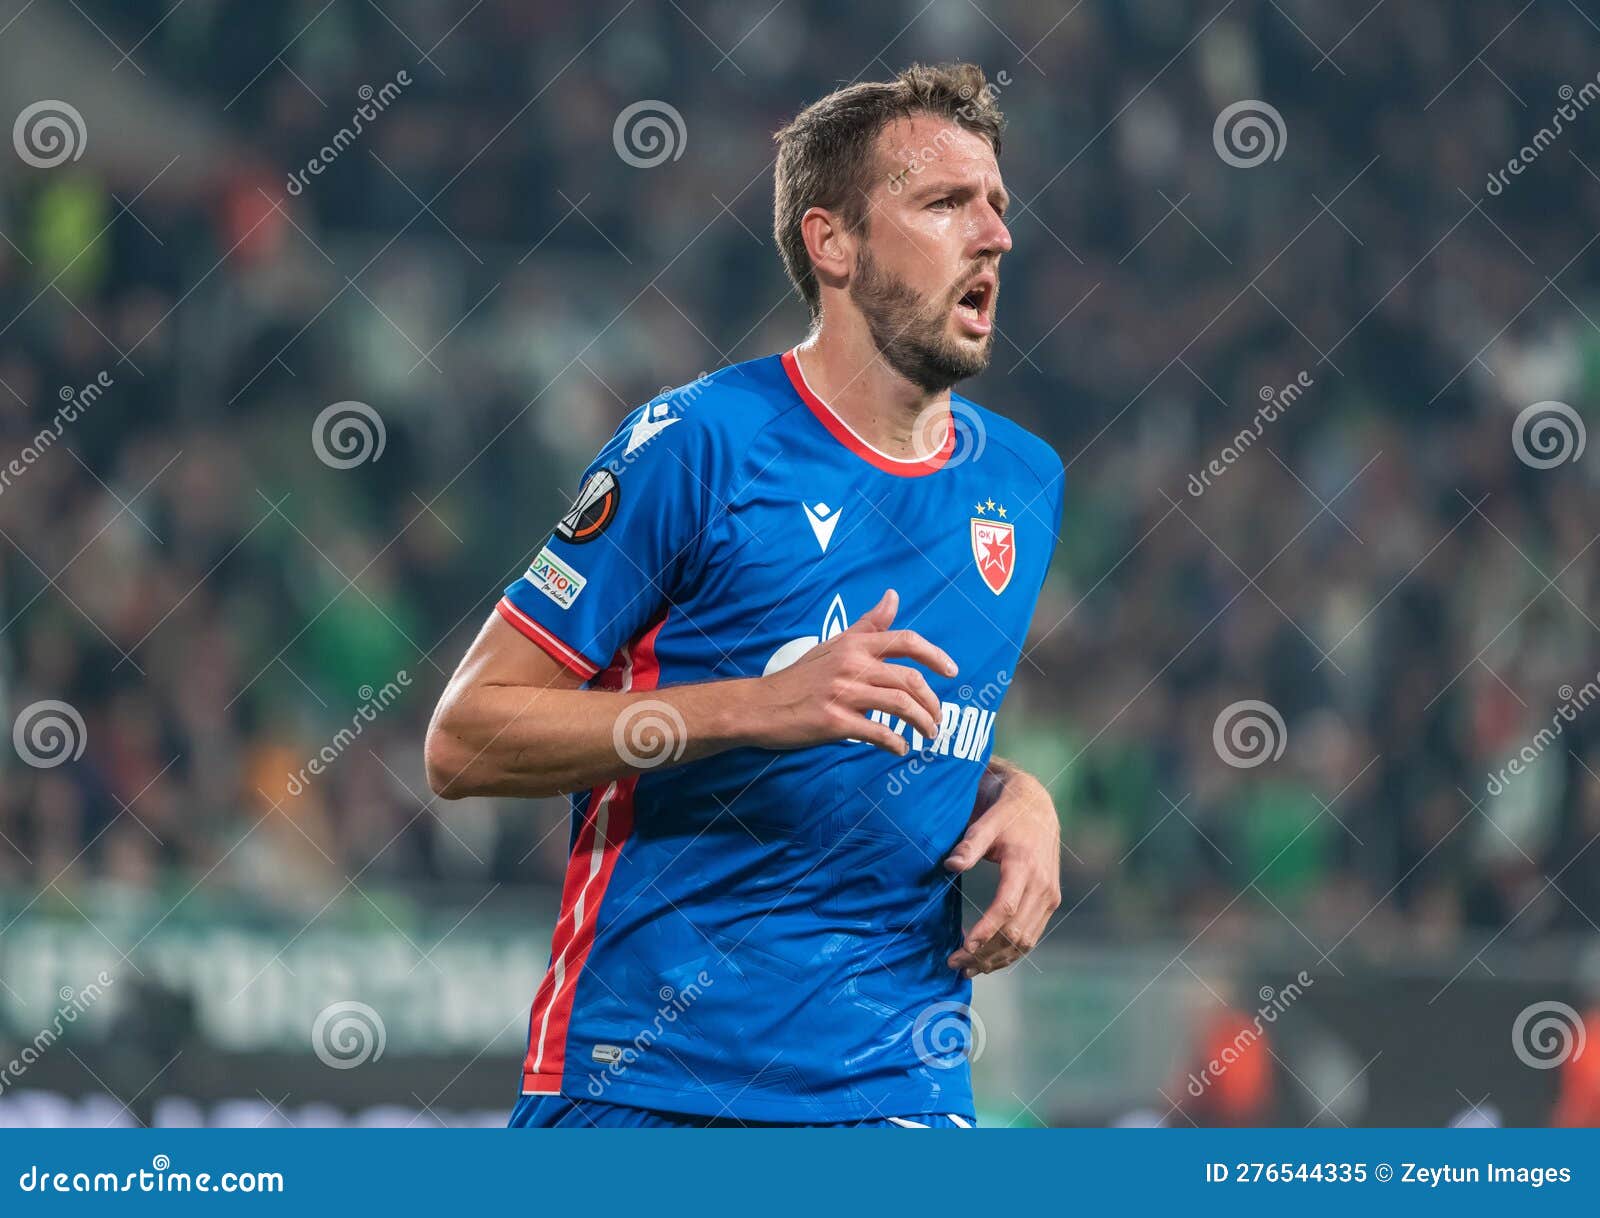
(483, 268)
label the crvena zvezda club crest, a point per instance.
(995, 551)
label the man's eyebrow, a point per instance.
(930, 189)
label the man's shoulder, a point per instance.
(719, 411)
(994, 430)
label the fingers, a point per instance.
(864, 681)
(897, 701)
(974, 844)
(1010, 928)
(1007, 904)
(909, 645)
(881, 735)
(915, 685)
(880, 617)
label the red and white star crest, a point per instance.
(994, 549)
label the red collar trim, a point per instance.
(905, 467)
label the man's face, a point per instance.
(928, 273)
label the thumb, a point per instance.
(880, 616)
(973, 845)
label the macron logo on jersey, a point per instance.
(823, 520)
(652, 421)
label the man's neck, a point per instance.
(849, 374)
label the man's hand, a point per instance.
(827, 694)
(1018, 829)
(513, 721)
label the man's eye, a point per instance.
(944, 204)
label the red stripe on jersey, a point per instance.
(906, 467)
(606, 827)
(570, 657)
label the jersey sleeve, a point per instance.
(619, 554)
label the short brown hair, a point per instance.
(825, 156)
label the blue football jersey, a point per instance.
(763, 934)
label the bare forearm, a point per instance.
(513, 720)
(523, 741)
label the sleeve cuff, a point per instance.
(570, 657)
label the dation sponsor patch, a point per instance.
(595, 508)
(555, 579)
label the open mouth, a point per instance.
(975, 305)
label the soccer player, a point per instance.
(764, 651)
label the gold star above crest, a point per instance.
(1002, 511)
(990, 505)
(978, 508)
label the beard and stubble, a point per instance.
(912, 335)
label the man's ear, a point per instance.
(831, 247)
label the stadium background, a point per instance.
(204, 578)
